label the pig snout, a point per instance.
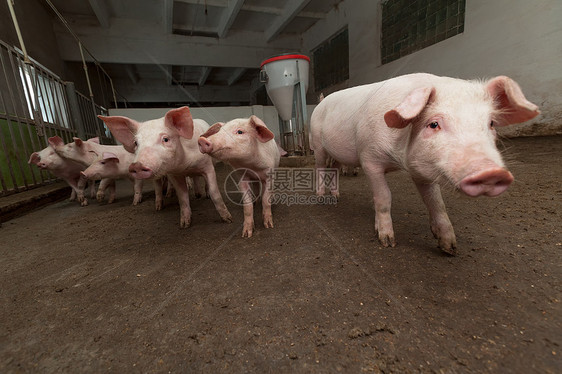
(490, 182)
(139, 171)
(205, 146)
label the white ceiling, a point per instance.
(212, 48)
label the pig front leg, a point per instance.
(382, 199)
(112, 190)
(137, 187)
(211, 180)
(247, 194)
(80, 186)
(266, 205)
(441, 226)
(182, 192)
(158, 193)
(72, 195)
(104, 185)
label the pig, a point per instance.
(438, 129)
(109, 167)
(69, 171)
(246, 143)
(168, 147)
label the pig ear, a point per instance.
(110, 156)
(212, 130)
(78, 141)
(264, 134)
(181, 120)
(123, 129)
(34, 158)
(409, 108)
(55, 141)
(94, 140)
(510, 101)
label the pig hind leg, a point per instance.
(441, 226)
(323, 160)
(197, 187)
(382, 200)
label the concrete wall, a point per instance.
(213, 114)
(518, 38)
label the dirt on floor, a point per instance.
(121, 288)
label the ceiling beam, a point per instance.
(128, 42)
(168, 16)
(290, 11)
(236, 75)
(160, 92)
(132, 73)
(217, 3)
(204, 75)
(278, 11)
(228, 17)
(168, 74)
(101, 12)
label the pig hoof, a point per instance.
(387, 241)
(158, 205)
(452, 250)
(247, 231)
(227, 218)
(111, 201)
(84, 202)
(268, 222)
(185, 223)
(100, 197)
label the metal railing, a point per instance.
(35, 104)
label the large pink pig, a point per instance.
(69, 171)
(439, 129)
(246, 143)
(109, 167)
(168, 146)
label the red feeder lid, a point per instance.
(285, 56)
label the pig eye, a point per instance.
(136, 143)
(102, 162)
(434, 125)
(492, 124)
(240, 132)
(165, 139)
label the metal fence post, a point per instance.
(75, 110)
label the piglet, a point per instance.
(109, 167)
(246, 144)
(168, 147)
(69, 171)
(438, 129)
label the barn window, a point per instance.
(408, 26)
(331, 61)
